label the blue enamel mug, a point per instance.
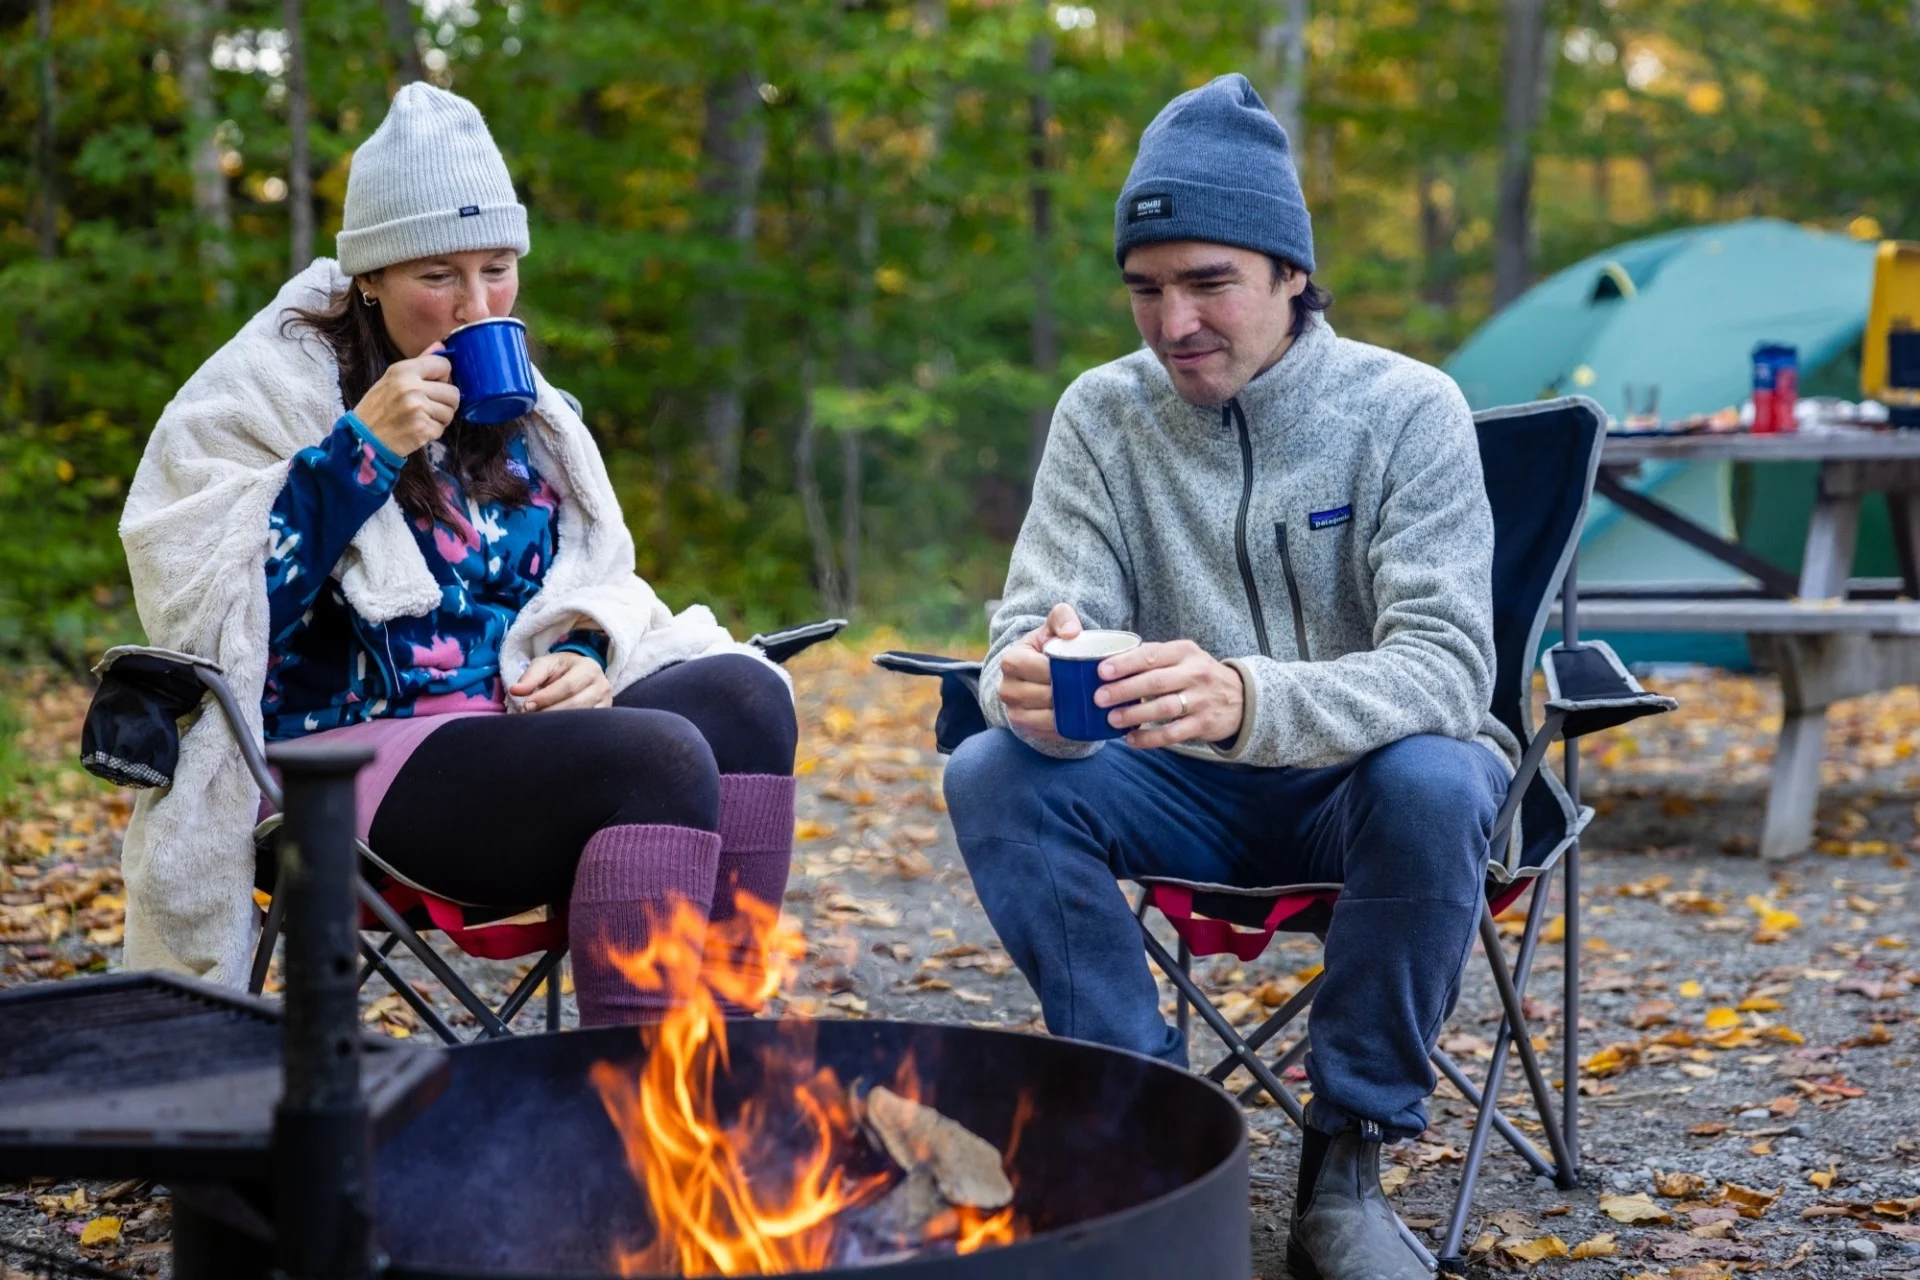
(1075, 668)
(492, 369)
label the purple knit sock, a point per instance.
(629, 878)
(756, 848)
(756, 839)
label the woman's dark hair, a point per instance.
(1313, 298)
(476, 453)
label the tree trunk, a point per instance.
(1046, 336)
(856, 367)
(1525, 71)
(213, 217)
(819, 534)
(1283, 51)
(400, 34)
(1439, 224)
(49, 219)
(733, 148)
(299, 162)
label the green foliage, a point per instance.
(887, 300)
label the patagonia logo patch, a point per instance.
(1145, 207)
(1330, 517)
(469, 210)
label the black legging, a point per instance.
(493, 810)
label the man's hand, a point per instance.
(562, 682)
(1194, 696)
(1026, 680)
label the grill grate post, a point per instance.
(322, 1150)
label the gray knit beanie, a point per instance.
(1214, 166)
(429, 181)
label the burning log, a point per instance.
(791, 1178)
(965, 1167)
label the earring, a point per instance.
(366, 299)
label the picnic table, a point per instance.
(1827, 635)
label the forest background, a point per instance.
(818, 269)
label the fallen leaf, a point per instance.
(1678, 1186)
(1721, 1017)
(1534, 1250)
(1711, 1129)
(813, 829)
(1691, 990)
(1750, 1202)
(1394, 1178)
(1650, 1013)
(1759, 1004)
(1824, 1178)
(1509, 1222)
(1635, 1208)
(99, 1231)
(1877, 1034)
(1600, 1246)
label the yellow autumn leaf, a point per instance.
(100, 1231)
(1759, 1004)
(812, 829)
(1749, 1202)
(1720, 1017)
(1609, 1060)
(1823, 1178)
(1556, 930)
(1534, 1250)
(1691, 990)
(1600, 1246)
(1638, 1207)
(1391, 1180)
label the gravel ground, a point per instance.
(1749, 1032)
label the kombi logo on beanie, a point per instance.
(429, 181)
(1150, 207)
(1215, 165)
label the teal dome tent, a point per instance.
(1681, 312)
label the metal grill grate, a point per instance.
(152, 1075)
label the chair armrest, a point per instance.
(960, 715)
(1593, 690)
(784, 644)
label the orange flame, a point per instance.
(732, 1199)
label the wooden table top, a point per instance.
(1851, 444)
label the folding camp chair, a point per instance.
(131, 737)
(1539, 461)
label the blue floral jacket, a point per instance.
(328, 667)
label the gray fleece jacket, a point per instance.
(1326, 532)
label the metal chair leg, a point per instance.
(1181, 1020)
(1276, 1023)
(1222, 1028)
(269, 935)
(544, 970)
(377, 961)
(553, 996)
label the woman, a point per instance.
(313, 514)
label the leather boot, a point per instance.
(1346, 1230)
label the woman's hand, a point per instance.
(563, 682)
(412, 403)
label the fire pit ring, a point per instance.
(1126, 1167)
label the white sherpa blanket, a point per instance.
(195, 530)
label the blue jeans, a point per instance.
(1404, 829)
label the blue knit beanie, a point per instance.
(1214, 166)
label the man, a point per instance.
(1297, 526)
